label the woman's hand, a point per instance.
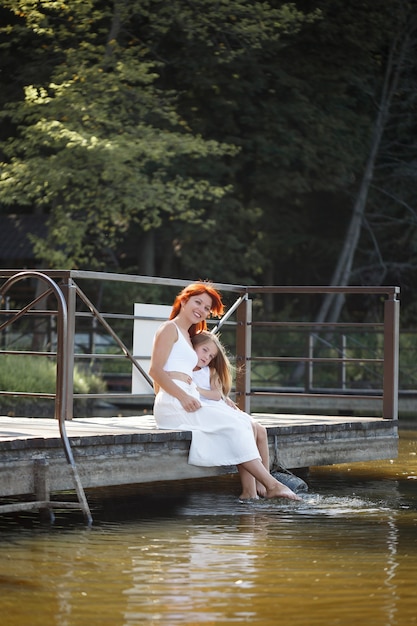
(190, 403)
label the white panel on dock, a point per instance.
(148, 318)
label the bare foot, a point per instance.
(248, 496)
(281, 491)
(260, 489)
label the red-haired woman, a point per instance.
(217, 439)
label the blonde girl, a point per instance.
(213, 378)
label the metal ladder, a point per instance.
(42, 501)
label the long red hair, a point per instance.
(196, 289)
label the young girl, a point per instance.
(213, 378)
(217, 438)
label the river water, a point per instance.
(192, 554)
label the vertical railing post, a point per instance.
(391, 356)
(70, 292)
(309, 366)
(342, 368)
(243, 354)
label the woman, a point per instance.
(217, 439)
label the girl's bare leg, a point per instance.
(261, 438)
(274, 489)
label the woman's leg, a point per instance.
(274, 489)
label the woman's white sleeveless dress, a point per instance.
(219, 436)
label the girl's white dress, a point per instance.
(201, 378)
(220, 435)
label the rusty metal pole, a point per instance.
(243, 354)
(391, 356)
(64, 375)
(69, 290)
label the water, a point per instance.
(347, 554)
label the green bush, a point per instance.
(33, 374)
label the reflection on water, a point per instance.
(346, 554)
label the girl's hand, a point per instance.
(230, 403)
(190, 404)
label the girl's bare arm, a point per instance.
(215, 392)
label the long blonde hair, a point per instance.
(220, 363)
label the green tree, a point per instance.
(266, 91)
(222, 60)
(300, 106)
(225, 140)
(100, 146)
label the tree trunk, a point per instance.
(333, 303)
(147, 254)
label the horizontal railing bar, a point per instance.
(105, 355)
(324, 289)
(314, 395)
(174, 282)
(115, 316)
(27, 353)
(148, 280)
(326, 325)
(317, 389)
(350, 393)
(131, 316)
(272, 324)
(115, 395)
(51, 396)
(33, 313)
(50, 273)
(306, 359)
(98, 355)
(28, 394)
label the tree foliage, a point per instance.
(223, 140)
(390, 105)
(100, 146)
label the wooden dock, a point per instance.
(131, 450)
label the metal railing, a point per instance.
(63, 376)
(389, 362)
(241, 328)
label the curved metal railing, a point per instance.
(62, 377)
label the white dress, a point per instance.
(201, 378)
(220, 435)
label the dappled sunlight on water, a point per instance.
(346, 554)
